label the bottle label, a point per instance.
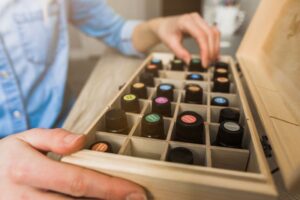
(155, 60)
(152, 118)
(102, 147)
(222, 71)
(177, 61)
(196, 61)
(222, 80)
(129, 97)
(220, 100)
(151, 67)
(189, 119)
(232, 126)
(165, 87)
(139, 85)
(194, 88)
(161, 100)
(195, 76)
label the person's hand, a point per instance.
(26, 173)
(171, 31)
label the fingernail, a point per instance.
(136, 196)
(71, 138)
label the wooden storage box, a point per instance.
(269, 57)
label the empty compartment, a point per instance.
(199, 152)
(138, 131)
(132, 119)
(231, 159)
(232, 98)
(145, 148)
(176, 75)
(115, 140)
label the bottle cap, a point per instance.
(220, 64)
(220, 101)
(195, 77)
(157, 62)
(130, 103)
(190, 127)
(140, 90)
(230, 134)
(177, 65)
(153, 126)
(147, 78)
(221, 84)
(102, 146)
(196, 65)
(229, 114)
(153, 69)
(181, 155)
(116, 121)
(220, 72)
(166, 90)
(193, 94)
(161, 105)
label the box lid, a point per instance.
(269, 56)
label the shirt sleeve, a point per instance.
(96, 19)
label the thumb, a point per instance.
(55, 140)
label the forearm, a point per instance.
(144, 35)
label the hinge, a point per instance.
(266, 146)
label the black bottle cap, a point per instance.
(220, 64)
(195, 77)
(230, 134)
(220, 72)
(140, 90)
(130, 103)
(229, 114)
(157, 62)
(147, 79)
(181, 155)
(190, 127)
(193, 94)
(177, 65)
(153, 126)
(116, 121)
(161, 105)
(220, 101)
(166, 90)
(196, 65)
(153, 69)
(221, 84)
(102, 146)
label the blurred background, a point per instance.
(232, 17)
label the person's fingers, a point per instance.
(206, 28)
(176, 46)
(70, 180)
(217, 35)
(38, 194)
(188, 25)
(55, 140)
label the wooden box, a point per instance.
(269, 57)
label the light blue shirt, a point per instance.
(34, 48)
